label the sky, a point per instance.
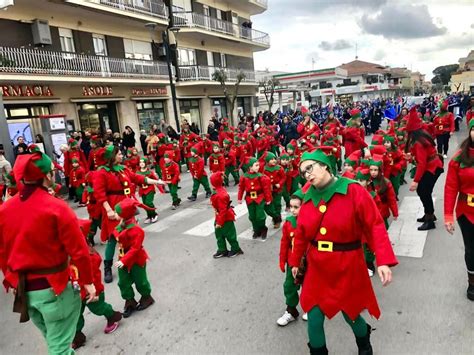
(316, 34)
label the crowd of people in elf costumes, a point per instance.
(327, 174)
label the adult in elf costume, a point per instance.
(336, 277)
(459, 196)
(444, 128)
(216, 159)
(258, 193)
(34, 264)
(290, 288)
(354, 134)
(196, 168)
(307, 127)
(171, 176)
(100, 307)
(277, 177)
(77, 180)
(224, 219)
(332, 123)
(113, 183)
(147, 192)
(132, 258)
(429, 167)
(230, 162)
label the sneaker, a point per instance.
(113, 323)
(445, 156)
(371, 273)
(285, 319)
(147, 221)
(304, 317)
(192, 198)
(427, 226)
(233, 254)
(220, 254)
(173, 207)
(208, 194)
(154, 219)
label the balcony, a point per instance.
(204, 73)
(62, 66)
(253, 7)
(148, 10)
(190, 21)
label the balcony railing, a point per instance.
(192, 19)
(203, 73)
(144, 7)
(41, 62)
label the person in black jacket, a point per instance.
(288, 131)
(212, 132)
(128, 138)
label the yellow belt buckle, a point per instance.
(168, 177)
(440, 127)
(325, 246)
(216, 161)
(253, 194)
(470, 200)
(126, 191)
(121, 252)
(144, 186)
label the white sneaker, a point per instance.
(305, 316)
(371, 273)
(445, 156)
(154, 219)
(173, 207)
(285, 319)
(147, 221)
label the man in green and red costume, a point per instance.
(196, 168)
(35, 264)
(277, 177)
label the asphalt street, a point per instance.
(230, 306)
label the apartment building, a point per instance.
(101, 63)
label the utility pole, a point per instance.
(5, 135)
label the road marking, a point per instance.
(247, 234)
(170, 221)
(405, 238)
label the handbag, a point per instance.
(299, 278)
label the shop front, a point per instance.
(219, 108)
(151, 106)
(98, 117)
(190, 111)
(244, 105)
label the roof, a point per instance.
(358, 67)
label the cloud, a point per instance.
(463, 41)
(401, 21)
(380, 54)
(336, 45)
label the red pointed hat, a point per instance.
(32, 167)
(85, 225)
(127, 208)
(217, 179)
(414, 122)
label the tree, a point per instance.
(269, 90)
(220, 75)
(442, 74)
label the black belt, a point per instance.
(328, 246)
(37, 284)
(118, 192)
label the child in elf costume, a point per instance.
(291, 182)
(216, 159)
(258, 193)
(93, 208)
(171, 176)
(100, 307)
(277, 177)
(393, 168)
(290, 289)
(132, 258)
(147, 192)
(77, 180)
(133, 159)
(225, 218)
(196, 167)
(230, 162)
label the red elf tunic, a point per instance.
(257, 188)
(77, 177)
(353, 140)
(96, 262)
(338, 281)
(393, 162)
(133, 162)
(426, 158)
(277, 176)
(94, 159)
(145, 189)
(130, 240)
(93, 208)
(113, 185)
(170, 172)
(220, 201)
(196, 167)
(305, 130)
(74, 154)
(216, 162)
(230, 158)
(443, 123)
(287, 241)
(23, 248)
(387, 200)
(459, 181)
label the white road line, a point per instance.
(406, 239)
(170, 221)
(247, 234)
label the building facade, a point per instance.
(463, 79)
(101, 63)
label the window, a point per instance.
(210, 59)
(223, 61)
(186, 56)
(137, 49)
(66, 39)
(99, 44)
(150, 113)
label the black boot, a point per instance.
(78, 341)
(145, 302)
(318, 351)
(208, 194)
(263, 233)
(422, 219)
(108, 278)
(192, 198)
(428, 224)
(363, 343)
(129, 308)
(470, 288)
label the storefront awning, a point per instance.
(97, 99)
(148, 98)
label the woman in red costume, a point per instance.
(336, 278)
(460, 186)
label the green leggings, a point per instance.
(99, 308)
(110, 249)
(138, 276)
(395, 180)
(317, 338)
(204, 181)
(290, 289)
(228, 233)
(274, 208)
(148, 201)
(257, 215)
(231, 170)
(174, 193)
